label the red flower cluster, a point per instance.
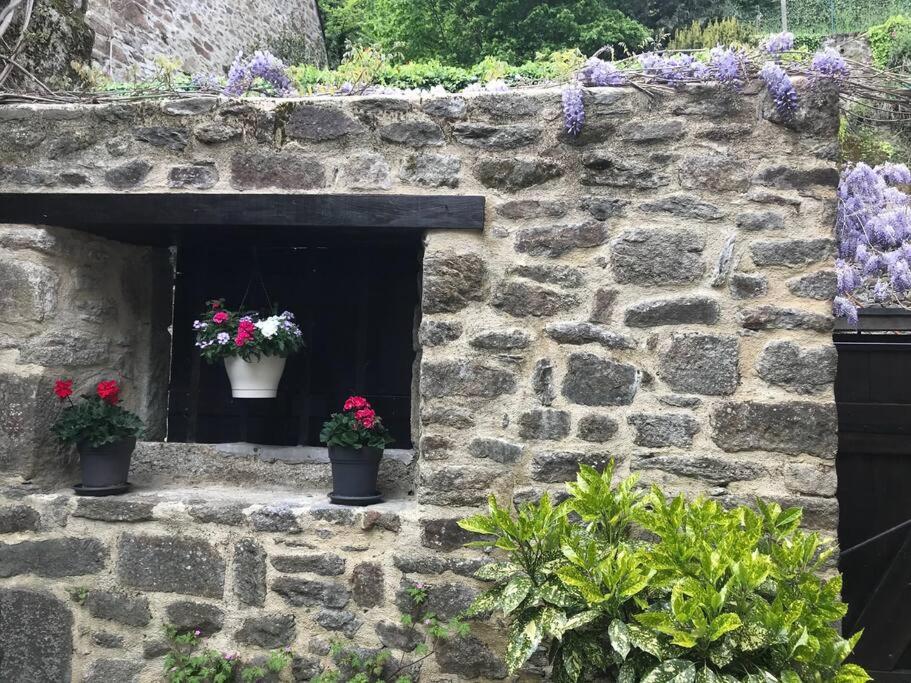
(220, 318)
(63, 388)
(244, 332)
(356, 403)
(108, 391)
(363, 412)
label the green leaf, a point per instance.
(514, 593)
(790, 676)
(486, 602)
(852, 673)
(627, 673)
(524, 637)
(672, 671)
(497, 571)
(723, 623)
(619, 638)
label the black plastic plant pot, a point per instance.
(354, 475)
(105, 468)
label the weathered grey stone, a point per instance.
(305, 668)
(652, 131)
(324, 564)
(438, 332)
(202, 175)
(452, 280)
(685, 206)
(65, 349)
(516, 173)
(445, 107)
(532, 208)
(701, 364)
(602, 208)
(465, 378)
(596, 428)
(542, 382)
(22, 137)
(120, 607)
(487, 136)
(792, 427)
(188, 616)
(820, 285)
(113, 510)
(53, 557)
(501, 340)
(458, 485)
(604, 167)
(775, 318)
(562, 466)
(397, 636)
(603, 306)
(338, 620)
(267, 631)
(436, 447)
(686, 310)
(414, 133)
(17, 518)
(594, 381)
(790, 253)
(657, 256)
(467, 656)
(174, 139)
(716, 471)
(680, 401)
(495, 449)
(714, 172)
(588, 333)
(446, 417)
(789, 178)
(544, 424)
(368, 584)
(69, 142)
(217, 131)
(319, 123)
(449, 600)
(548, 273)
(230, 514)
(250, 572)
(522, 299)
(17, 237)
(309, 593)
(366, 171)
(36, 630)
(128, 175)
(170, 564)
(274, 518)
(724, 262)
(285, 169)
(760, 220)
(108, 640)
(810, 479)
(663, 430)
(432, 170)
(153, 649)
(748, 285)
(802, 370)
(557, 241)
(108, 670)
(189, 106)
(445, 534)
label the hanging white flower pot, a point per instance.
(256, 378)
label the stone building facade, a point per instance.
(656, 290)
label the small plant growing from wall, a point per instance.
(189, 662)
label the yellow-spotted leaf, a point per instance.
(514, 593)
(524, 637)
(672, 671)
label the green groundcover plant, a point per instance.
(640, 587)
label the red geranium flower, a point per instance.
(108, 391)
(366, 416)
(63, 388)
(216, 304)
(356, 403)
(219, 317)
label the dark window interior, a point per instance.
(355, 297)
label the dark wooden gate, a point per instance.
(873, 392)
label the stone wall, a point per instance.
(205, 35)
(656, 290)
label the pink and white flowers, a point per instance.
(222, 333)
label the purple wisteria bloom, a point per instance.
(780, 88)
(779, 42)
(672, 69)
(726, 66)
(597, 72)
(573, 109)
(205, 82)
(828, 64)
(263, 65)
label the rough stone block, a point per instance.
(267, 631)
(438, 332)
(556, 241)
(465, 378)
(551, 274)
(53, 557)
(319, 123)
(487, 136)
(542, 382)
(174, 139)
(652, 131)
(217, 131)
(522, 299)
(188, 616)
(414, 133)
(716, 471)
(310, 593)
(792, 427)
(36, 630)
(820, 285)
(516, 173)
(748, 285)
(285, 170)
(274, 518)
(702, 364)
(684, 206)
(113, 510)
(562, 466)
(760, 220)
(518, 209)
(603, 306)
(594, 381)
(458, 485)
(445, 534)
(18, 518)
(798, 369)
(544, 424)
(776, 318)
(602, 208)
(128, 175)
(324, 564)
(596, 428)
(366, 171)
(199, 176)
(108, 670)
(714, 172)
(112, 641)
(467, 656)
(368, 584)
(663, 430)
(810, 479)
(29, 291)
(790, 178)
(171, 564)
(432, 170)
(397, 636)
(657, 256)
(606, 168)
(131, 610)
(250, 572)
(452, 281)
(496, 450)
(587, 333)
(792, 253)
(686, 310)
(338, 620)
(445, 107)
(501, 340)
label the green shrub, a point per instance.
(716, 32)
(713, 595)
(861, 143)
(889, 38)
